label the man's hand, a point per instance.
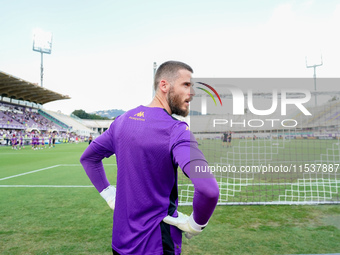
(109, 194)
(185, 223)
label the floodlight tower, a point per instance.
(42, 42)
(154, 74)
(314, 76)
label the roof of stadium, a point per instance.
(16, 88)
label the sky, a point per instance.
(103, 51)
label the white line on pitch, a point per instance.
(34, 171)
(81, 165)
(46, 186)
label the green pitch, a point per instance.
(48, 206)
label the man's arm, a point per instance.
(187, 154)
(206, 191)
(93, 166)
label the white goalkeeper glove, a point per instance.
(109, 194)
(185, 223)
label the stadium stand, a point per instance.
(22, 113)
(74, 124)
(19, 89)
(97, 126)
(20, 117)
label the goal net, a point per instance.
(268, 141)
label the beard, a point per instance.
(175, 103)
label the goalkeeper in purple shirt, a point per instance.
(149, 145)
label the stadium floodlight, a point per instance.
(42, 42)
(314, 77)
(154, 73)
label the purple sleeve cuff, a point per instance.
(206, 192)
(93, 166)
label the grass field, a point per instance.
(48, 206)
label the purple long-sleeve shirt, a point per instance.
(149, 146)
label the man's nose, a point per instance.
(192, 91)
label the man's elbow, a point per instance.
(85, 156)
(214, 192)
(82, 159)
(211, 191)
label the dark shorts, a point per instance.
(114, 252)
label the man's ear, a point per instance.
(164, 86)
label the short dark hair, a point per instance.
(169, 70)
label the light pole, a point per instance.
(42, 42)
(154, 73)
(314, 76)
